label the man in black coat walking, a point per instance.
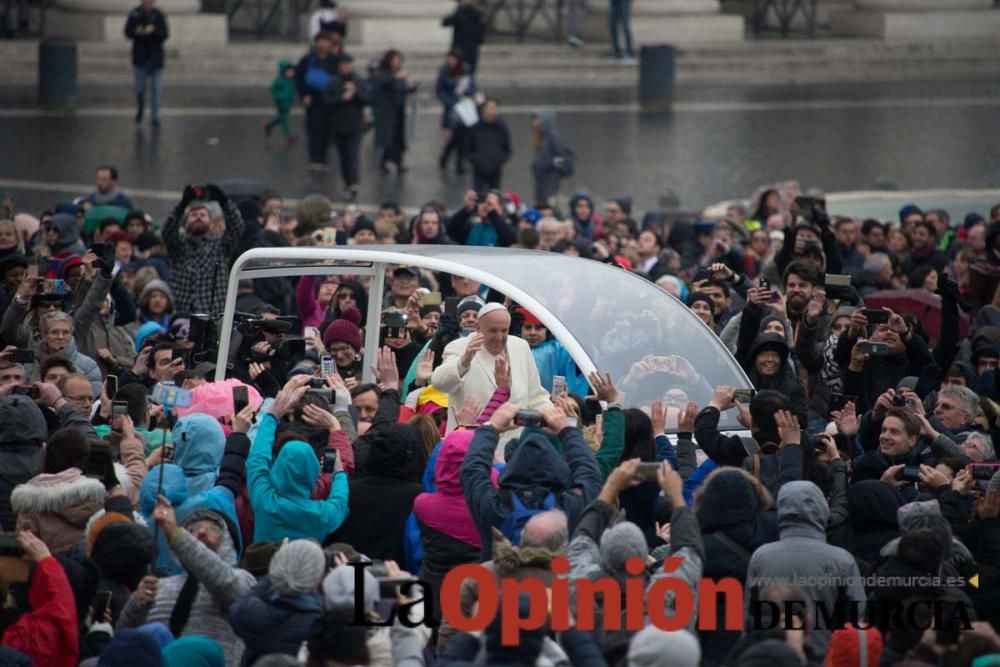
(146, 26)
(313, 76)
(469, 32)
(349, 95)
(489, 148)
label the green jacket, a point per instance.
(283, 89)
(151, 439)
(613, 443)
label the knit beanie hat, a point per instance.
(622, 541)
(338, 589)
(853, 647)
(469, 303)
(700, 296)
(345, 330)
(363, 223)
(908, 210)
(298, 567)
(130, 647)
(193, 652)
(312, 212)
(650, 647)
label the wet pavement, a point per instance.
(718, 143)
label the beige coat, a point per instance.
(479, 382)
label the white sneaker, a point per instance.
(574, 41)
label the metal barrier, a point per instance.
(770, 15)
(521, 14)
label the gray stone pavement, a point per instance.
(719, 142)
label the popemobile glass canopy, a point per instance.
(607, 318)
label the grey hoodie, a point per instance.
(802, 553)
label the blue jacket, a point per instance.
(198, 442)
(269, 622)
(280, 492)
(573, 477)
(552, 359)
(175, 488)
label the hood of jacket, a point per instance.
(226, 550)
(69, 233)
(769, 341)
(199, 442)
(284, 64)
(174, 487)
(21, 422)
(535, 463)
(802, 511)
(448, 466)
(395, 451)
(970, 374)
(295, 470)
(68, 494)
(574, 200)
(547, 119)
(873, 505)
(729, 498)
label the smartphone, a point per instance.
(910, 474)
(876, 315)
(744, 395)
(98, 460)
(111, 386)
(55, 286)
(838, 401)
(838, 279)
(101, 603)
(874, 349)
(326, 367)
(43, 269)
(647, 472)
(29, 390)
(118, 410)
(430, 299)
(100, 249)
(983, 471)
(765, 283)
(21, 356)
(168, 453)
(528, 418)
(558, 385)
(329, 460)
(178, 353)
(805, 204)
(775, 296)
(241, 398)
(451, 306)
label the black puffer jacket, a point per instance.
(873, 523)
(785, 380)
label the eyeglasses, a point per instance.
(334, 349)
(79, 399)
(59, 333)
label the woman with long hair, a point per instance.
(454, 84)
(428, 229)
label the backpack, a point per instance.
(565, 162)
(520, 514)
(317, 79)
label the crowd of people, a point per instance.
(159, 509)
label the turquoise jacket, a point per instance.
(280, 493)
(553, 359)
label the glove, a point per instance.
(214, 193)
(188, 196)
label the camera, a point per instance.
(899, 401)
(317, 383)
(395, 325)
(910, 474)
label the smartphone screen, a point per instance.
(118, 410)
(876, 316)
(240, 398)
(111, 386)
(98, 461)
(101, 603)
(558, 385)
(326, 365)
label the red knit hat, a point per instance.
(845, 648)
(528, 317)
(345, 330)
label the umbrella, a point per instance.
(923, 305)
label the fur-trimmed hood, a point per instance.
(67, 493)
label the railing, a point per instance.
(778, 15)
(517, 16)
(268, 17)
